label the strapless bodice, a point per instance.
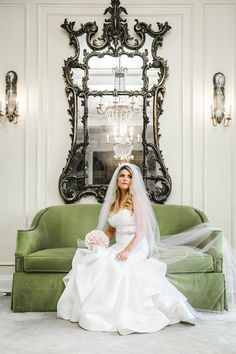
(124, 223)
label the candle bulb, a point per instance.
(108, 138)
(138, 137)
(131, 132)
(17, 106)
(1, 112)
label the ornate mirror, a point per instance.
(115, 90)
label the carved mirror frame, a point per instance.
(114, 41)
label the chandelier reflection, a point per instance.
(119, 114)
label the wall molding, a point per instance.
(15, 136)
(195, 141)
(184, 188)
(7, 264)
(219, 140)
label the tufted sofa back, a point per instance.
(64, 224)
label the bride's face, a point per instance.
(124, 179)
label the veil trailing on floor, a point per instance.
(198, 240)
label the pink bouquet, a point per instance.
(96, 237)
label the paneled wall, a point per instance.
(201, 158)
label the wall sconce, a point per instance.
(218, 114)
(12, 106)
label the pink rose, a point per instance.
(96, 237)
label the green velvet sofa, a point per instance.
(44, 254)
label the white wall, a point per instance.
(201, 159)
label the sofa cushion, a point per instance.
(60, 259)
(50, 260)
(192, 263)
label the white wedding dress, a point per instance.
(104, 294)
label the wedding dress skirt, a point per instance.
(104, 294)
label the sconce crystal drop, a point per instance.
(12, 106)
(218, 113)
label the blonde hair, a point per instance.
(128, 202)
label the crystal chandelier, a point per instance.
(119, 114)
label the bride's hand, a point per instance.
(123, 255)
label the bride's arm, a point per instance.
(131, 245)
(110, 232)
(124, 254)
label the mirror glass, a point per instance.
(101, 72)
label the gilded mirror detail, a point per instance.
(115, 85)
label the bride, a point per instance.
(122, 287)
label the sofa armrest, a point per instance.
(215, 250)
(30, 240)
